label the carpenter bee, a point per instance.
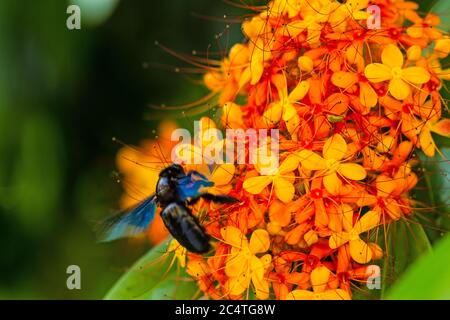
(175, 191)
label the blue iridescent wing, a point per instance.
(130, 223)
(190, 186)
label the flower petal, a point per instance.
(261, 288)
(259, 241)
(319, 278)
(416, 75)
(332, 183)
(284, 189)
(289, 164)
(311, 237)
(415, 31)
(343, 79)
(255, 185)
(236, 265)
(300, 295)
(238, 285)
(223, 174)
(399, 88)
(257, 62)
(368, 221)
(360, 251)
(273, 113)
(295, 28)
(336, 294)
(393, 210)
(234, 237)
(299, 92)
(392, 56)
(377, 72)
(289, 111)
(338, 239)
(442, 127)
(311, 160)
(279, 213)
(385, 186)
(426, 143)
(256, 267)
(280, 82)
(367, 95)
(335, 148)
(352, 171)
(293, 236)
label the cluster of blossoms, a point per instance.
(352, 105)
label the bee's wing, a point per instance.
(190, 186)
(128, 223)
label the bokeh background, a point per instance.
(63, 96)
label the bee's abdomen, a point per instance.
(185, 228)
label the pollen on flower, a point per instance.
(352, 105)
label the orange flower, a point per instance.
(392, 69)
(359, 250)
(332, 164)
(348, 132)
(425, 27)
(319, 279)
(281, 180)
(242, 265)
(285, 108)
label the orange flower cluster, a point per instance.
(352, 104)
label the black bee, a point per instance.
(175, 191)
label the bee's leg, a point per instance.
(212, 197)
(218, 198)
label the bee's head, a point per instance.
(174, 170)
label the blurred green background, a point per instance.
(63, 96)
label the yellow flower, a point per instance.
(314, 15)
(359, 250)
(281, 180)
(345, 80)
(354, 9)
(280, 7)
(319, 280)
(392, 69)
(242, 265)
(284, 109)
(334, 150)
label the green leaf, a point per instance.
(428, 278)
(151, 279)
(405, 242)
(432, 193)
